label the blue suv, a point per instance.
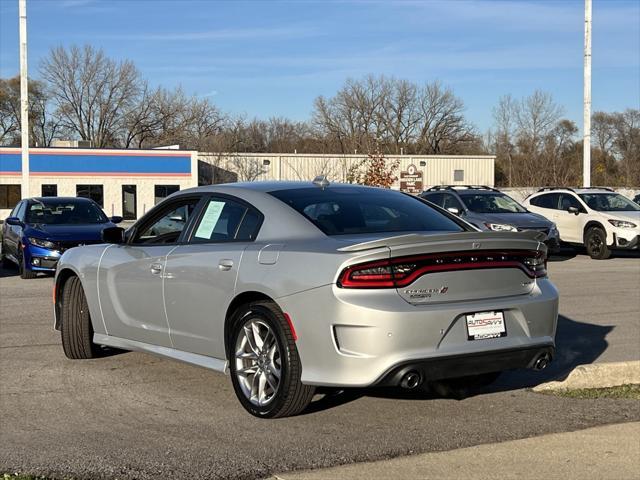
(490, 209)
(39, 230)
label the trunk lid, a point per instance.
(456, 267)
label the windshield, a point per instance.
(491, 203)
(65, 212)
(609, 202)
(339, 211)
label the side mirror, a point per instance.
(116, 220)
(14, 221)
(113, 235)
(454, 210)
(573, 210)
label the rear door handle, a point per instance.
(225, 265)
(156, 268)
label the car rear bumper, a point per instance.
(357, 338)
(470, 364)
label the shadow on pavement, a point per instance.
(577, 343)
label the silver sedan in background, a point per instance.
(290, 286)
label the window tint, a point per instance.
(10, 195)
(64, 212)
(567, 201)
(225, 220)
(609, 202)
(437, 198)
(491, 203)
(167, 227)
(20, 209)
(450, 201)
(548, 200)
(346, 210)
(248, 230)
(94, 192)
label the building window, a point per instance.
(458, 175)
(163, 191)
(10, 195)
(50, 190)
(94, 192)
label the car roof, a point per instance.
(56, 199)
(272, 186)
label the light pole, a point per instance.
(24, 98)
(586, 158)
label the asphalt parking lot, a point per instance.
(133, 415)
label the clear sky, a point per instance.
(272, 58)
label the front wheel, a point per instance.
(25, 272)
(595, 242)
(264, 363)
(76, 327)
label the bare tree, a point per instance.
(92, 93)
(42, 126)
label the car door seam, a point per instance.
(104, 323)
(164, 300)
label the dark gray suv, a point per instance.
(490, 209)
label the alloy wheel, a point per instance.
(258, 362)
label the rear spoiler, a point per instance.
(413, 238)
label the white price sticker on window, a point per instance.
(209, 219)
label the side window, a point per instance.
(567, 201)
(450, 201)
(549, 200)
(20, 209)
(225, 220)
(167, 227)
(436, 198)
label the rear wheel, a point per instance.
(264, 363)
(25, 272)
(76, 328)
(595, 241)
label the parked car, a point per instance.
(598, 218)
(39, 230)
(292, 285)
(490, 209)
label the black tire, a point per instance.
(25, 273)
(291, 396)
(595, 241)
(461, 387)
(76, 328)
(6, 263)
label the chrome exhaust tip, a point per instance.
(542, 362)
(411, 380)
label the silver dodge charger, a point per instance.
(288, 286)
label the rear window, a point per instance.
(340, 211)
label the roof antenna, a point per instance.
(321, 181)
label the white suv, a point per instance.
(598, 218)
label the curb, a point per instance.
(596, 375)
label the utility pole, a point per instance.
(24, 98)
(586, 159)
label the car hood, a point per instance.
(520, 220)
(89, 232)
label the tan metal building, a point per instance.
(433, 169)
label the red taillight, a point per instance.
(402, 271)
